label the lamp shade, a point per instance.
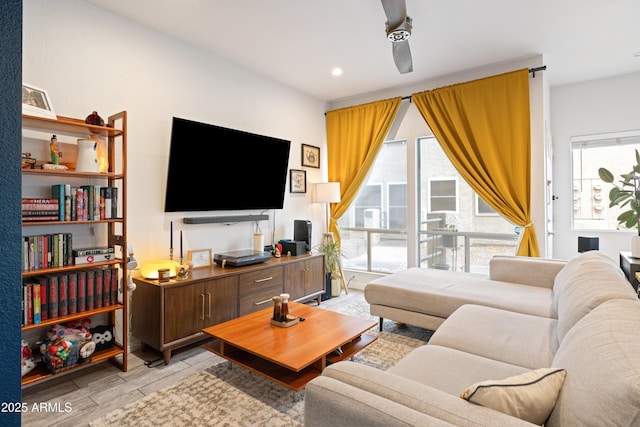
(327, 192)
(150, 269)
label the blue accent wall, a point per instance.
(10, 194)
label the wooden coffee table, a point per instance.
(290, 356)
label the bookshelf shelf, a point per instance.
(105, 232)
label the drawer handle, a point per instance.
(202, 296)
(264, 280)
(263, 302)
(209, 297)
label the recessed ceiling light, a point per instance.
(337, 71)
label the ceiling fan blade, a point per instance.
(402, 57)
(396, 11)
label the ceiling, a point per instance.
(299, 42)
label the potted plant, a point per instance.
(626, 196)
(332, 258)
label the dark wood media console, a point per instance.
(169, 315)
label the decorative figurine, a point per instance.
(94, 119)
(55, 151)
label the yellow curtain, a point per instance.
(354, 137)
(484, 128)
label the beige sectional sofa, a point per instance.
(581, 323)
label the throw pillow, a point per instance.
(530, 396)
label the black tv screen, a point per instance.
(215, 168)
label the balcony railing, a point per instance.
(436, 246)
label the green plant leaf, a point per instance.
(605, 175)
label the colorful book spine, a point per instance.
(44, 291)
(67, 202)
(108, 209)
(114, 202)
(36, 304)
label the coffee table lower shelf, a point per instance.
(294, 380)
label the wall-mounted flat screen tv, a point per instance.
(215, 168)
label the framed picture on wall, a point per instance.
(310, 156)
(200, 258)
(297, 181)
(36, 102)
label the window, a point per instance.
(483, 208)
(443, 195)
(398, 206)
(368, 202)
(613, 151)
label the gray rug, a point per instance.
(220, 396)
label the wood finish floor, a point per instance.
(77, 398)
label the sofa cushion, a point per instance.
(516, 338)
(530, 396)
(583, 284)
(601, 354)
(451, 370)
(440, 293)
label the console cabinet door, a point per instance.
(184, 311)
(221, 300)
(304, 278)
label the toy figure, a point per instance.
(55, 151)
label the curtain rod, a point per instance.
(533, 72)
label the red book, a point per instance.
(53, 296)
(99, 284)
(91, 287)
(82, 291)
(29, 303)
(72, 296)
(63, 294)
(106, 289)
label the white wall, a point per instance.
(413, 126)
(597, 106)
(89, 59)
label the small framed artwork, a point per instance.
(310, 156)
(297, 181)
(200, 258)
(36, 102)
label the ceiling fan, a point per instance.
(398, 27)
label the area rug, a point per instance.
(220, 396)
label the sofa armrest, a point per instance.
(540, 272)
(329, 402)
(350, 378)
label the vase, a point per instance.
(87, 156)
(635, 246)
(258, 242)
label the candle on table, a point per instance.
(180, 244)
(171, 236)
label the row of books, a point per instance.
(55, 295)
(47, 251)
(55, 250)
(67, 203)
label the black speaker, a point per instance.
(302, 232)
(586, 244)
